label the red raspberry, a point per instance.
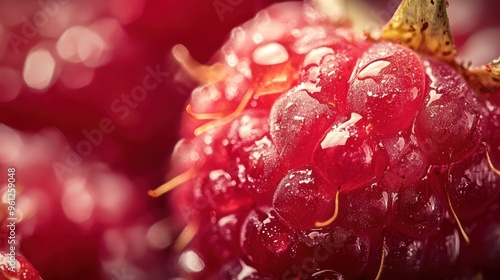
(321, 154)
(69, 210)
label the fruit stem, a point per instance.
(487, 77)
(382, 260)
(174, 182)
(201, 73)
(490, 163)
(423, 26)
(229, 118)
(335, 213)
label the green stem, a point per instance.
(423, 26)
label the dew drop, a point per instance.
(238, 34)
(227, 220)
(216, 174)
(257, 38)
(191, 262)
(231, 59)
(270, 54)
(246, 271)
(339, 135)
(471, 118)
(315, 55)
(311, 85)
(373, 69)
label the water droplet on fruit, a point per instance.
(208, 150)
(327, 274)
(238, 34)
(229, 219)
(214, 175)
(414, 92)
(433, 96)
(471, 119)
(246, 271)
(191, 262)
(232, 59)
(372, 69)
(339, 135)
(257, 38)
(316, 55)
(310, 83)
(270, 54)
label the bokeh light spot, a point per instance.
(160, 235)
(81, 45)
(39, 69)
(479, 52)
(10, 144)
(77, 202)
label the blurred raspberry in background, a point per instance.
(90, 101)
(89, 109)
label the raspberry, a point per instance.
(53, 221)
(321, 154)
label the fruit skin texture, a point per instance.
(390, 144)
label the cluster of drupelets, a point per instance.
(316, 154)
